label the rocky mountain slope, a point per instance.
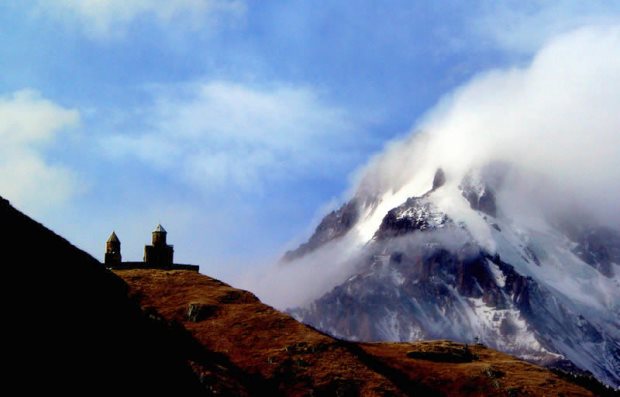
(334, 225)
(452, 261)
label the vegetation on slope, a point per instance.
(289, 358)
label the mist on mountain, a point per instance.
(552, 125)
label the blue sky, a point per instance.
(236, 124)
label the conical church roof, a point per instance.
(113, 238)
(159, 229)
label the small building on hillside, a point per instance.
(158, 255)
(113, 250)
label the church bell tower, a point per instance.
(159, 254)
(113, 251)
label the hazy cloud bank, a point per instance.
(221, 134)
(556, 119)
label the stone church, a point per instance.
(158, 255)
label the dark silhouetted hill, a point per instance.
(69, 326)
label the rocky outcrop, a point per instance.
(416, 214)
(439, 179)
(333, 226)
(479, 194)
(600, 248)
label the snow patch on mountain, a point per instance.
(500, 277)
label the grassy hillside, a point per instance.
(293, 359)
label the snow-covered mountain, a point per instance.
(496, 220)
(451, 263)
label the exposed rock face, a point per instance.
(334, 225)
(479, 194)
(600, 248)
(416, 213)
(198, 312)
(438, 289)
(439, 180)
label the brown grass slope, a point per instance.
(282, 356)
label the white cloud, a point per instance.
(28, 124)
(103, 18)
(222, 133)
(556, 120)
